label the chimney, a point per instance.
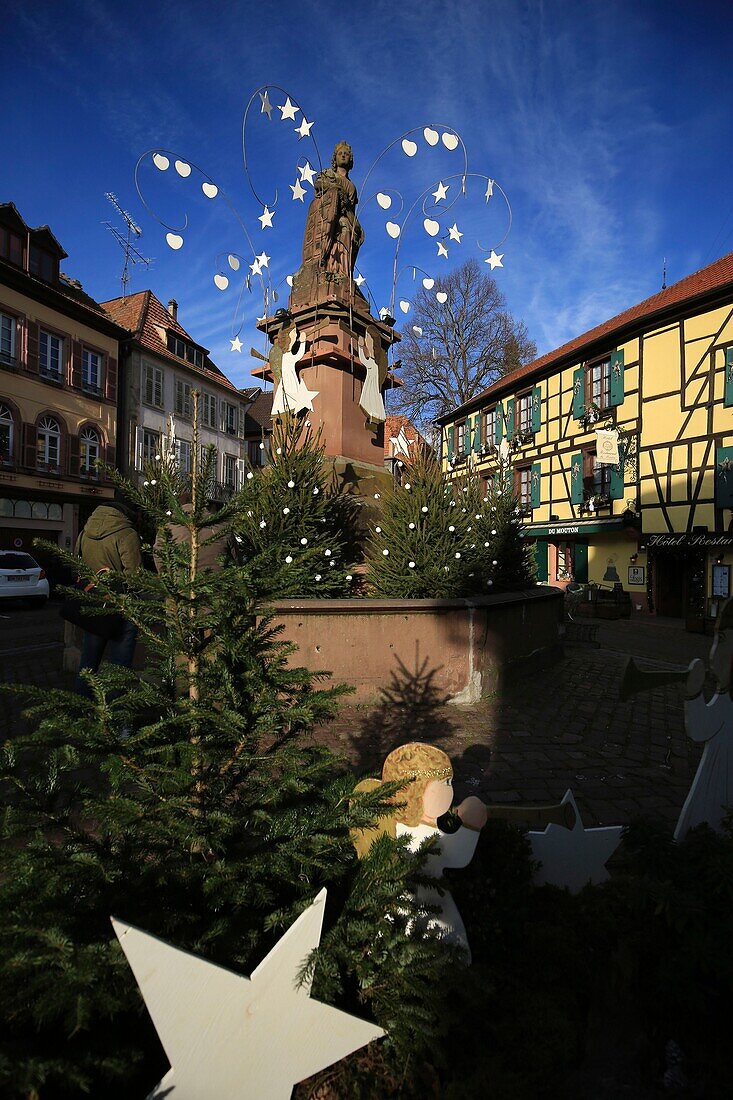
(173, 309)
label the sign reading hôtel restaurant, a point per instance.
(688, 539)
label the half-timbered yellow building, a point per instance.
(657, 381)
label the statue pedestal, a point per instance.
(331, 366)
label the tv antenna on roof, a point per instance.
(132, 255)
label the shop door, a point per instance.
(670, 569)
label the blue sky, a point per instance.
(609, 126)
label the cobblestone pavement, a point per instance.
(558, 727)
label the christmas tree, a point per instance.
(190, 801)
(513, 562)
(298, 534)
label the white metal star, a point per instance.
(263, 259)
(574, 857)
(442, 250)
(265, 218)
(298, 190)
(304, 130)
(359, 280)
(266, 108)
(441, 192)
(288, 110)
(236, 344)
(454, 233)
(489, 190)
(255, 268)
(307, 173)
(494, 260)
(226, 1035)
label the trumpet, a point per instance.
(637, 679)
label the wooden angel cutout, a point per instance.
(374, 360)
(711, 723)
(291, 393)
(422, 812)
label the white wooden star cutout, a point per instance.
(266, 108)
(236, 344)
(574, 857)
(265, 218)
(263, 259)
(494, 261)
(489, 190)
(441, 192)
(288, 110)
(442, 250)
(454, 233)
(228, 1036)
(298, 190)
(304, 130)
(307, 173)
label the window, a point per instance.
(489, 427)
(596, 476)
(598, 390)
(523, 486)
(231, 419)
(51, 355)
(41, 263)
(208, 410)
(460, 439)
(91, 370)
(178, 346)
(194, 356)
(49, 442)
(524, 413)
(88, 452)
(564, 561)
(183, 398)
(151, 445)
(152, 386)
(183, 456)
(11, 246)
(8, 327)
(7, 435)
(255, 453)
(230, 471)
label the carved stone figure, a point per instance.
(333, 234)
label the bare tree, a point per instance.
(460, 347)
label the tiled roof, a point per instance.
(143, 314)
(392, 427)
(259, 414)
(716, 276)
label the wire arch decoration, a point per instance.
(263, 92)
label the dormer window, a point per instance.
(178, 346)
(42, 264)
(11, 246)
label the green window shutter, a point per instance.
(724, 477)
(509, 418)
(579, 393)
(536, 409)
(466, 438)
(499, 423)
(536, 484)
(728, 386)
(580, 562)
(477, 433)
(540, 557)
(576, 479)
(617, 378)
(617, 476)
(451, 436)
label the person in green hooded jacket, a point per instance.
(109, 541)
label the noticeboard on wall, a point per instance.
(637, 574)
(721, 581)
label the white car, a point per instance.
(21, 577)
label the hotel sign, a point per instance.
(661, 542)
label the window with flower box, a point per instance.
(488, 428)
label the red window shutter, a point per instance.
(73, 455)
(110, 389)
(30, 445)
(76, 364)
(31, 363)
